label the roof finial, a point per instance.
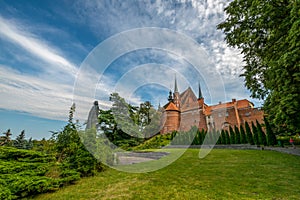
(199, 93)
(175, 88)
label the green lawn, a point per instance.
(223, 174)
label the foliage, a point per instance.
(268, 34)
(232, 135)
(243, 135)
(249, 134)
(155, 142)
(261, 135)
(237, 135)
(255, 133)
(21, 143)
(127, 126)
(24, 173)
(6, 139)
(271, 138)
(227, 137)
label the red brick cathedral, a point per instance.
(185, 110)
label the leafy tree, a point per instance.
(267, 33)
(237, 135)
(249, 134)
(243, 135)
(271, 138)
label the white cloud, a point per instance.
(35, 46)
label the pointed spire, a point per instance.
(199, 93)
(175, 88)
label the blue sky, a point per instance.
(45, 44)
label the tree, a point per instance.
(261, 135)
(232, 135)
(271, 138)
(71, 152)
(237, 135)
(6, 140)
(20, 141)
(255, 133)
(268, 35)
(227, 137)
(243, 135)
(249, 134)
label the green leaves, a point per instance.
(268, 35)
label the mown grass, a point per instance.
(223, 174)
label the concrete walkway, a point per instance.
(288, 150)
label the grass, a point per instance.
(223, 174)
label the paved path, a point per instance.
(288, 150)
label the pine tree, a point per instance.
(232, 135)
(271, 138)
(243, 135)
(249, 134)
(237, 135)
(20, 141)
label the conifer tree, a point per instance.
(6, 140)
(222, 137)
(261, 135)
(271, 138)
(232, 135)
(255, 134)
(20, 141)
(249, 134)
(237, 135)
(243, 135)
(227, 138)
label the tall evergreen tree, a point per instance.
(267, 33)
(222, 137)
(255, 133)
(243, 135)
(237, 135)
(271, 138)
(227, 137)
(20, 141)
(232, 135)
(261, 135)
(249, 134)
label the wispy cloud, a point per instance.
(36, 46)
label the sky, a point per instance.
(54, 53)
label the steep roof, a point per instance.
(171, 106)
(188, 93)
